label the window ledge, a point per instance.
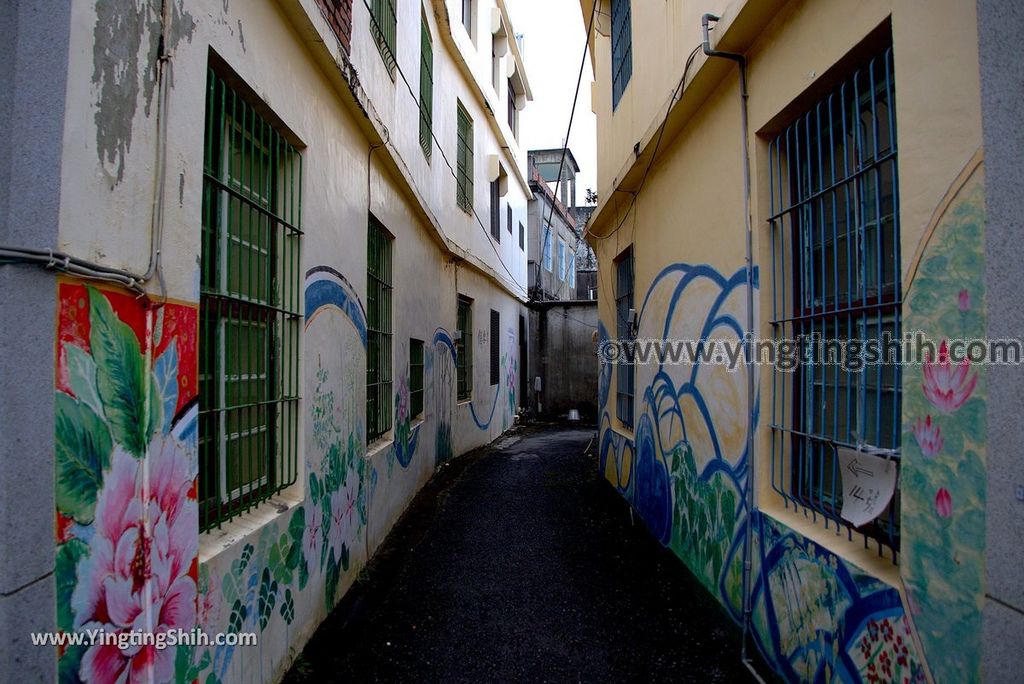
(379, 447)
(463, 402)
(218, 540)
(851, 551)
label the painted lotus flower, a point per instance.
(943, 503)
(947, 386)
(928, 436)
(343, 510)
(137, 574)
(963, 301)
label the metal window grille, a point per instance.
(625, 370)
(835, 242)
(495, 347)
(508, 214)
(249, 308)
(426, 87)
(522, 237)
(464, 162)
(384, 28)
(513, 113)
(415, 378)
(496, 210)
(378, 332)
(464, 349)
(622, 48)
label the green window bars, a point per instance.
(464, 161)
(384, 28)
(625, 370)
(378, 332)
(249, 309)
(426, 87)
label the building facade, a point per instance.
(283, 290)
(551, 228)
(839, 169)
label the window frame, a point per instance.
(849, 182)
(495, 199)
(621, 48)
(234, 192)
(464, 348)
(426, 101)
(379, 418)
(495, 342)
(625, 377)
(417, 368)
(464, 160)
(384, 29)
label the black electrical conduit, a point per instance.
(706, 21)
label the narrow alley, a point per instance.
(523, 556)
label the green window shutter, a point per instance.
(426, 87)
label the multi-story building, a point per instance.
(284, 284)
(551, 228)
(786, 171)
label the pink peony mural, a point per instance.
(946, 386)
(137, 575)
(929, 436)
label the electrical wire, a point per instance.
(677, 93)
(451, 169)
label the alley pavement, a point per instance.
(518, 562)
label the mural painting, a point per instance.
(685, 471)
(127, 515)
(943, 472)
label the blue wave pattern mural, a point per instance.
(685, 470)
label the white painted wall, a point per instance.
(285, 52)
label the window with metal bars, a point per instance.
(415, 378)
(249, 308)
(464, 349)
(464, 161)
(522, 237)
(622, 48)
(512, 113)
(426, 87)
(625, 370)
(495, 347)
(508, 214)
(384, 28)
(835, 242)
(496, 210)
(378, 331)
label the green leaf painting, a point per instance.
(68, 555)
(120, 375)
(83, 453)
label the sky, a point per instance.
(553, 40)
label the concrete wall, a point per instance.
(818, 601)
(108, 381)
(1000, 23)
(549, 284)
(33, 76)
(564, 355)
